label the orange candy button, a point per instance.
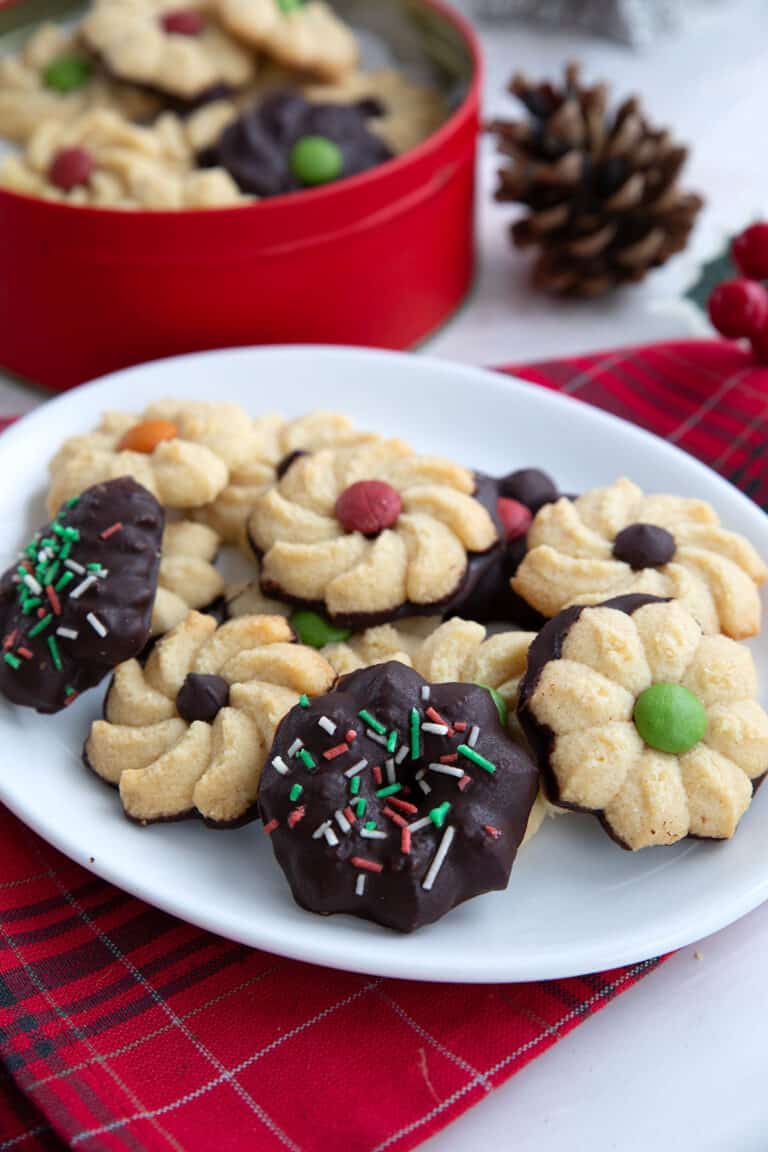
(146, 436)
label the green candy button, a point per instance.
(67, 73)
(316, 160)
(500, 702)
(314, 630)
(670, 718)
(290, 5)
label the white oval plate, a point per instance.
(576, 903)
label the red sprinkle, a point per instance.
(350, 736)
(332, 753)
(494, 832)
(41, 612)
(10, 640)
(460, 726)
(25, 652)
(296, 815)
(269, 828)
(50, 592)
(113, 528)
(405, 840)
(435, 716)
(366, 865)
(395, 817)
(350, 815)
(464, 782)
(71, 699)
(403, 805)
(377, 775)
(451, 758)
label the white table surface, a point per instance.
(676, 1061)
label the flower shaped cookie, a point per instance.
(637, 716)
(305, 35)
(188, 578)
(189, 732)
(175, 46)
(617, 539)
(371, 532)
(100, 158)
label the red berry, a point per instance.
(759, 344)
(70, 168)
(369, 507)
(750, 251)
(515, 517)
(183, 22)
(739, 307)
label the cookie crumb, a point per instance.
(91, 859)
(697, 955)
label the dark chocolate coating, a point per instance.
(644, 546)
(286, 462)
(121, 602)
(202, 697)
(256, 148)
(321, 875)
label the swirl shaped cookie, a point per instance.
(371, 533)
(617, 540)
(188, 733)
(187, 577)
(637, 716)
(303, 35)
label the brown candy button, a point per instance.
(183, 22)
(70, 168)
(644, 546)
(146, 436)
(369, 506)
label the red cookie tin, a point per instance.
(380, 259)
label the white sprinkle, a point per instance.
(74, 567)
(331, 837)
(419, 824)
(353, 771)
(326, 725)
(32, 584)
(375, 736)
(15, 579)
(372, 834)
(67, 633)
(473, 736)
(76, 593)
(420, 773)
(402, 753)
(424, 787)
(280, 766)
(389, 768)
(435, 729)
(447, 770)
(360, 883)
(321, 829)
(440, 855)
(425, 691)
(43, 555)
(342, 821)
(96, 624)
(295, 747)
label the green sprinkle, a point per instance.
(360, 807)
(59, 529)
(93, 566)
(69, 690)
(12, 660)
(304, 700)
(41, 625)
(31, 550)
(390, 790)
(54, 650)
(415, 734)
(308, 759)
(296, 791)
(500, 702)
(392, 741)
(52, 572)
(71, 503)
(370, 825)
(354, 785)
(71, 534)
(439, 815)
(28, 605)
(372, 722)
(65, 550)
(67, 578)
(476, 758)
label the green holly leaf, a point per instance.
(719, 268)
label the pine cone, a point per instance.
(602, 188)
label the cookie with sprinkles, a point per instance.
(79, 598)
(393, 799)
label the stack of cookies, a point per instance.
(171, 104)
(426, 661)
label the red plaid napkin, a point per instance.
(122, 1028)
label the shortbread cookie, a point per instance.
(182, 451)
(275, 442)
(304, 35)
(103, 160)
(188, 578)
(284, 143)
(616, 540)
(637, 716)
(55, 77)
(372, 533)
(177, 48)
(188, 733)
(79, 599)
(395, 800)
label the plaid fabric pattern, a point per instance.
(123, 1028)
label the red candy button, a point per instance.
(514, 516)
(183, 22)
(70, 168)
(369, 507)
